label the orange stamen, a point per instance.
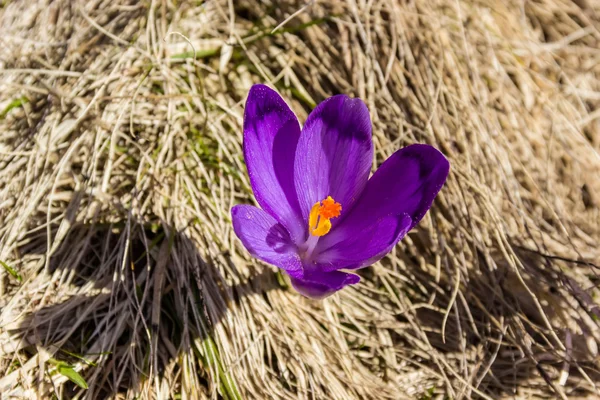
(329, 208)
(319, 223)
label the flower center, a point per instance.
(319, 220)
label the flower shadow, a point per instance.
(485, 327)
(127, 299)
(278, 239)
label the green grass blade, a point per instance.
(11, 271)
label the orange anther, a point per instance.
(319, 223)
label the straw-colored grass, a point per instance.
(120, 158)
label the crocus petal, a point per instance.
(271, 132)
(319, 284)
(266, 239)
(368, 242)
(405, 185)
(334, 153)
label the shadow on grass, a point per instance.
(490, 332)
(140, 296)
(143, 295)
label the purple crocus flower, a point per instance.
(321, 215)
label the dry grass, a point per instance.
(120, 158)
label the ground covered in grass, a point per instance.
(120, 158)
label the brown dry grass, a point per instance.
(120, 158)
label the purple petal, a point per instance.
(266, 239)
(358, 243)
(334, 153)
(318, 284)
(271, 133)
(405, 185)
